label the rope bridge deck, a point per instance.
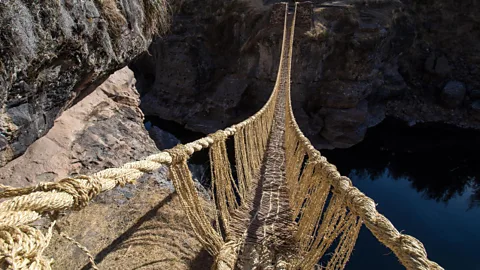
(283, 208)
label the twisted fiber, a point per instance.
(21, 247)
(308, 196)
(81, 191)
(306, 186)
(408, 249)
(185, 188)
(226, 258)
(294, 166)
(108, 178)
(311, 213)
(83, 248)
(76, 192)
(268, 224)
(15, 218)
(254, 157)
(83, 188)
(333, 224)
(222, 181)
(250, 145)
(39, 201)
(244, 173)
(346, 244)
(178, 154)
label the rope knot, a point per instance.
(83, 188)
(178, 153)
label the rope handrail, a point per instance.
(409, 250)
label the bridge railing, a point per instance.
(327, 207)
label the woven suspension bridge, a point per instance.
(284, 206)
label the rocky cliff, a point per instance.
(54, 53)
(104, 130)
(121, 227)
(359, 62)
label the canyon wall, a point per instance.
(359, 62)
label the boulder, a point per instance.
(345, 127)
(162, 138)
(453, 94)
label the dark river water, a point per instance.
(426, 180)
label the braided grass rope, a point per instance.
(326, 209)
(310, 189)
(21, 247)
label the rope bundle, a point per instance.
(21, 247)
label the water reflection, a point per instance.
(439, 161)
(426, 180)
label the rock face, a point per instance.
(163, 139)
(197, 75)
(106, 130)
(54, 53)
(358, 63)
(453, 94)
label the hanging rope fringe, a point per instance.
(182, 179)
(325, 212)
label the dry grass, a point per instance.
(157, 16)
(113, 15)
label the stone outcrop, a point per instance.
(54, 53)
(360, 62)
(103, 130)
